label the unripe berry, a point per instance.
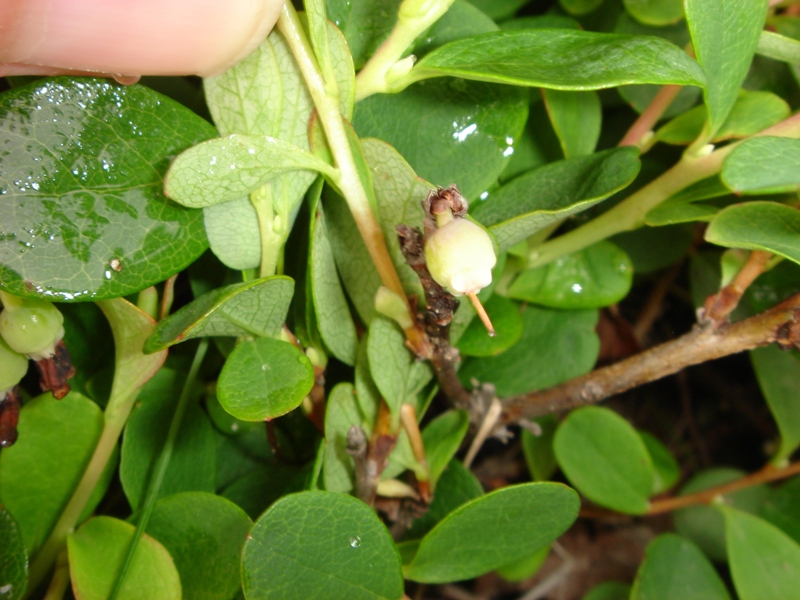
(460, 257)
(13, 367)
(31, 326)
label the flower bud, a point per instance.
(13, 367)
(460, 257)
(31, 326)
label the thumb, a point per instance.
(145, 37)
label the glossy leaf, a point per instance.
(704, 525)
(764, 561)
(330, 306)
(230, 167)
(676, 569)
(763, 165)
(341, 413)
(603, 456)
(538, 449)
(561, 59)
(442, 438)
(666, 470)
(752, 112)
(320, 545)
(597, 276)
(456, 486)
(576, 119)
(505, 316)
(256, 307)
(724, 41)
(13, 558)
(758, 226)
(192, 464)
(365, 24)
(96, 553)
(263, 379)
(204, 534)
(555, 346)
(778, 374)
(782, 508)
(655, 12)
(553, 192)
(397, 375)
(462, 19)
(39, 473)
(444, 128)
(521, 518)
(82, 209)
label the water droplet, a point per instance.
(265, 367)
(355, 542)
(126, 79)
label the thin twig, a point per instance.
(636, 135)
(485, 430)
(780, 325)
(718, 307)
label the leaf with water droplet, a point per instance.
(263, 379)
(81, 180)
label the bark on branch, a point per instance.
(780, 325)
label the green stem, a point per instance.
(385, 66)
(332, 122)
(271, 244)
(162, 464)
(630, 213)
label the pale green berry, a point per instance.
(13, 367)
(32, 327)
(460, 257)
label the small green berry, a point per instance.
(13, 367)
(31, 326)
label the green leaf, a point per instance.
(82, 207)
(603, 456)
(341, 413)
(456, 486)
(498, 10)
(442, 438)
(609, 590)
(597, 276)
(778, 47)
(655, 12)
(538, 449)
(365, 24)
(96, 553)
(13, 558)
(555, 346)
(686, 206)
(778, 374)
(443, 129)
(555, 191)
(462, 19)
(782, 508)
(505, 316)
(320, 545)
(652, 249)
(521, 519)
(330, 306)
(263, 379)
(397, 375)
(257, 307)
(724, 36)
(676, 569)
(258, 489)
(752, 112)
(763, 165)
(576, 119)
(580, 7)
(562, 59)
(758, 226)
(204, 534)
(192, 464)
(704, 525)
(233, 233)
(230, 167)
(525, 568)
(41, 470)
(764, 561)
(666, 470)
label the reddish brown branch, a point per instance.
(648, 119)
(778, 325)
(719, 306)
